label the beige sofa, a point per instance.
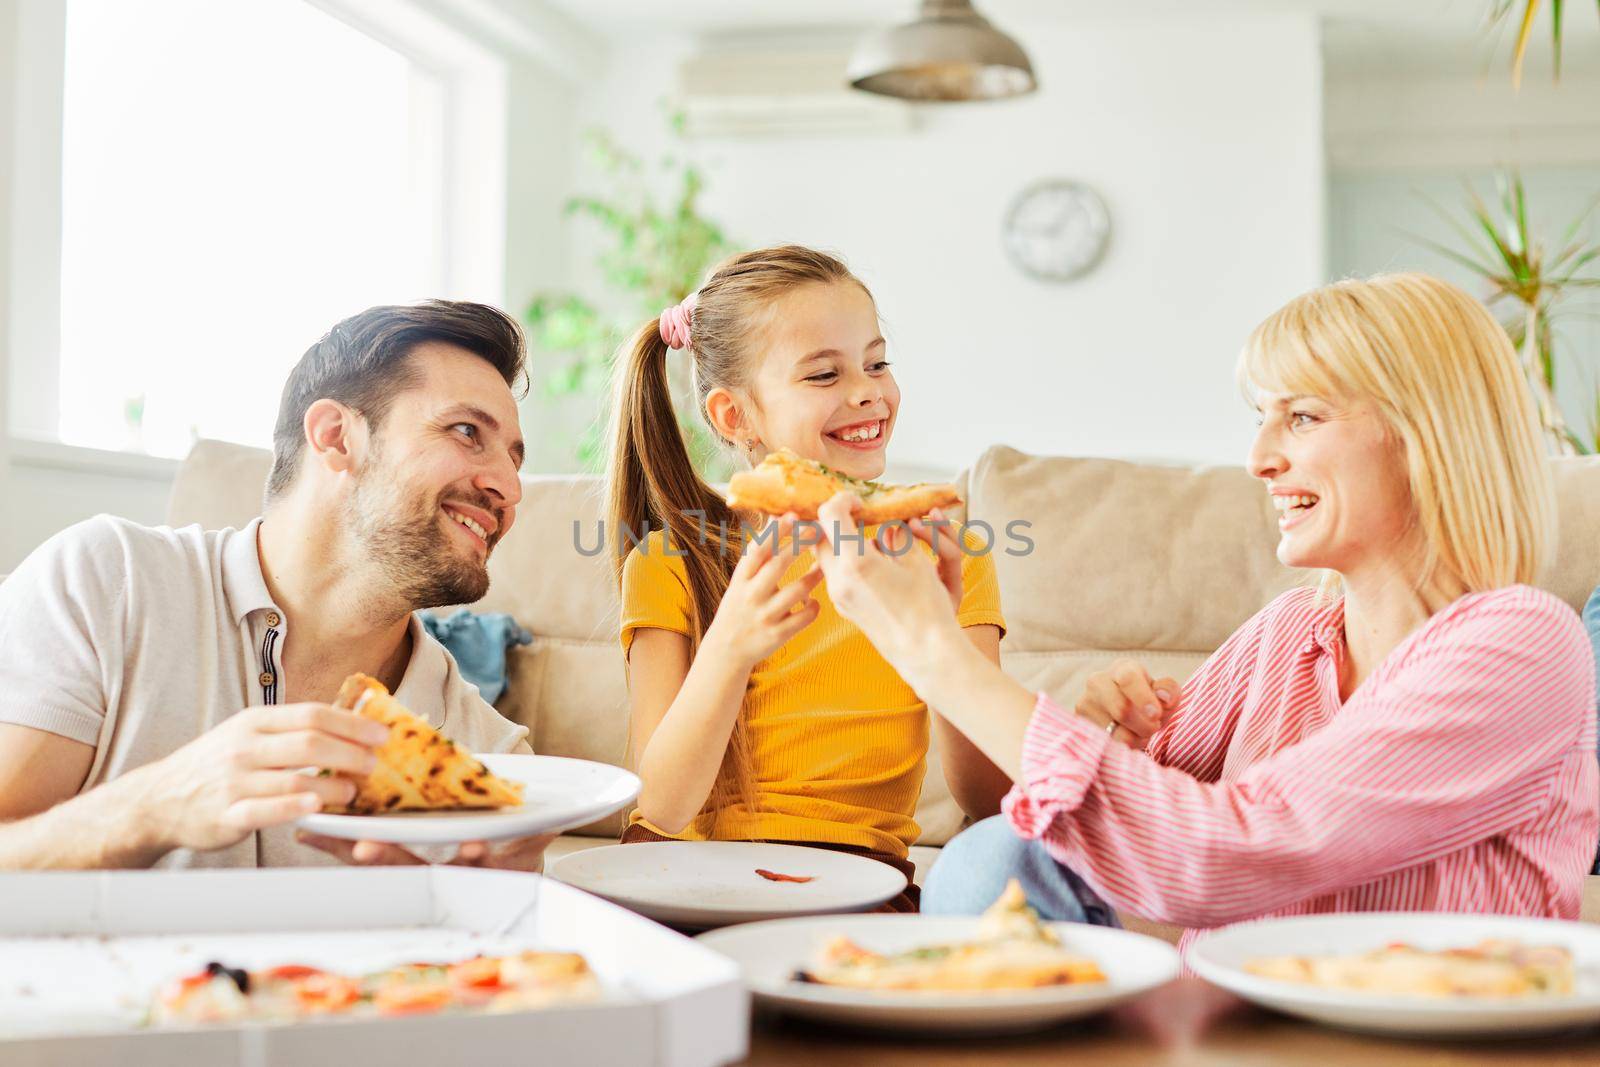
(1159, 563)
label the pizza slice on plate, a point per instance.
(418, 768)
(1011, 950)
(1492, 968)
(783, 483)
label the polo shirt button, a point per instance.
(266, 678)
(273, 618)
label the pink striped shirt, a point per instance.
(1460, 776)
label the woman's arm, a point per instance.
(976, 783)
(906, 608)
(1460, 742)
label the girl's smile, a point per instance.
(824, 389)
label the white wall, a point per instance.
(1203, 135)
(1400, 136)
(8, 62)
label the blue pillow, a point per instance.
(479, 644)
(1591, 622)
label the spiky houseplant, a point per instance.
(1529, 287)
(1525, 13)
(656, 251)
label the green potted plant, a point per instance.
(656, 250)
(1530, 287)
(1526, 11)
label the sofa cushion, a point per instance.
(1575, 569)
(1127, 556)
(572, 697)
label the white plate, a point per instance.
(769, 953)
(557, 794)
(1220, 957)
(701, 884)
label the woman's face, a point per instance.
(1337, 476)
(823, 388)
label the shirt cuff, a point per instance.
(1060, 757)
(70, 723)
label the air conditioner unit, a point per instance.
(765, 92)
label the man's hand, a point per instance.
(520, 854)
(257, 769)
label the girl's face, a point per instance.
(823, 388)
(1338, 478)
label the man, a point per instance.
(163, 692)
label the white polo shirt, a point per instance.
(138, 639)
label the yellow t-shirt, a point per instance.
(838, 742)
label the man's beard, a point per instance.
(407, 542)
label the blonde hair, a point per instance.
(1446, 379)
(650, 479)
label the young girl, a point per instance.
(757, 712)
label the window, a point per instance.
(235, 178)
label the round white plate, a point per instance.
(1220, 957)
(557, 794)
(769, 953)
(701, 884)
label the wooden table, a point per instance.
(1185, 1024)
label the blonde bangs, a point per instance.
(1445, 377)
(1278, 358)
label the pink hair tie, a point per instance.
(677, 323)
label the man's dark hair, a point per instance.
(364, 362)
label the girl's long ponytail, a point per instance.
(652, 485)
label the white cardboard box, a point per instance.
(82, 953)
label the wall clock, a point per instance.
(1057, 230)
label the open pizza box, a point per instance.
(83, 954)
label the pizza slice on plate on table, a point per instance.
(418, 768)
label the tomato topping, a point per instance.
(480, 972)
(326, 992)
(411, 1000)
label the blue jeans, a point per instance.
(974, 867)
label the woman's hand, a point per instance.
(946, 548)
(757, 615)
(1125, 694)
(888, 588)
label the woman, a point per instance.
(1418, 734)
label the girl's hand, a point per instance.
(1127, 695)
(757, 615)
(900, 600)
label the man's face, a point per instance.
(438, 487)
